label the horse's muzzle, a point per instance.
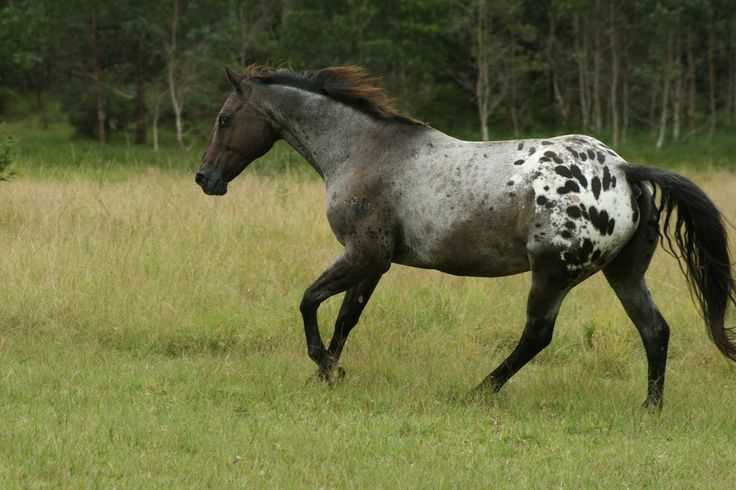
(211, 187)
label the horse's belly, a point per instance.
(479, 265)
(485, 245)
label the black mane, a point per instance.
(351, 85)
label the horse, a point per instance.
(400, 191)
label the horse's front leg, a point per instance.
(352, 307)
(347, 272)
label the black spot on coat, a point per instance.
(541, 200)
(563, 171)
(601, 157)
(578, 174)
(634, 208)
(606, 178)
(519, 162)
(579, 255)
(570, 186)
(600, 221)
(521, 146)
(574, 212)
(596, 186)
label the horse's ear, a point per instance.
(234, 79)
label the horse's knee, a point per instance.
(545, 337)
(539, 333)
(309, 302)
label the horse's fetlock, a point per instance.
(316, 353)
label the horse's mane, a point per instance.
(351, 85)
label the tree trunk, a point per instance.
(154, 123)
(625, 104)
(711, 84)
(733, 77)
(614, 77)
(597, 56)
(140, 94)
(677, 103)
(513, 110)
(482, 58)
(691, 109)
(176, 100)
(733, 80)
(97, 76)
(581, 50)
(665, 92)
(559, 99)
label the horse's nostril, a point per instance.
(199, 179)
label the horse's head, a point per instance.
(241, 134)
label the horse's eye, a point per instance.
(224, 121)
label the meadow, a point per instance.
(150, 337)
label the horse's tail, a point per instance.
(700, 235)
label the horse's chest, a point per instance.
(360, 219)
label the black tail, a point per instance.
(700, 235)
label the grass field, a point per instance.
(150, 337)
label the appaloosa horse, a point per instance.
(400, 191)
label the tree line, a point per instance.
(473, 67)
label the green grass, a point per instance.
(150, 337)
(55, 152)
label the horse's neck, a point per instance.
(322, 130)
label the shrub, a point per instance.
(7, 147)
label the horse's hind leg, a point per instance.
(550, 283)
(652, 328)
(625, 274)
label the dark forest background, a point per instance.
(476, 69)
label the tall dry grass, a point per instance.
(144, 320)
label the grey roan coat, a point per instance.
(399, 191)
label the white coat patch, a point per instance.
(583, 201)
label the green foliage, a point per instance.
(78, 103)
(8, 142)
(551, 67)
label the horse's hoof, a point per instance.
(336, 375)
(482, 392)
(332, 376)
(652, 405)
